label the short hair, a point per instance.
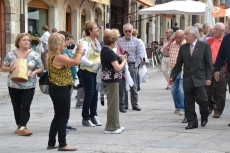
(171, 31)
(222, 25)
(45, 28)
(204, 25)
(135, 33)
(198, 24)
(194, 31)
(19, 37)
(200, 30)
(65, 33)
(88, 27)
(54, 41)
(127, 24)
(111, 36)
(54, 30)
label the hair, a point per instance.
(45, 28)
(171, 31)
(54, 41)
(194, 31)
(179, 32)
(54, 30)
(111, 37)
(198, 24)
(88, 27)
(222, 25)
(65, 33)
(200, 30)
(176, 24)
(127, 24)
(204, 25)
(135, 33)
(19, 37)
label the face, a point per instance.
(168, 34)
(95, 31)
(217, 31)
(24, 42)
(71, 40)
(62, 45)
(128, 31)
(179, 37)
(188, 36)
(206, 29)
(67, 41)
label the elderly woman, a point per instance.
(92, 57)
(44, 38)
(61, 82)
(111, 76)
(21, 93)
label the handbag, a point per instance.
(44, 82)
(39, 48)
(20, 74)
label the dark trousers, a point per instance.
(199, 95)
(138, 77)
(123, 95)
(217, 92)
(89, 108)
(21, 100)
(60, 96)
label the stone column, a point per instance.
(143, 28)
(75, 24)
(54, 18)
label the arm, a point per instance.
(221, 55)
(118, 67)
(208, 62)
(84, 60)
(139, 53)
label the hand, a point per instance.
(32, 74)
(208, 82)
(79, 45)
(217, 75)
(12, 68)
(81, 52)
(170, 82)
(123, 58)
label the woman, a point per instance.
(44, 39)
(111, 76)
(21, 93)
(61, 82)
(92, 57)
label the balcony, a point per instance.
(225, 3)
(162, 1)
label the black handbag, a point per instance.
(44, 82)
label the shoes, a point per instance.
(216, 116)
(71, 128)
(95, 121)
(181, 112)
(118, 131)
(87, 123)
(138, 88)
(126, 108)
(76, 96)
(210, 111)
(24, 132)
(16, 131)
(137, 108)
(122, 110)
(191, 126)
(176, 111)
(204, 122)
(50, 147)
(102, 102)
(185, 120)
(168, 88)
(122, 128)
(63, 149)
(78, 106)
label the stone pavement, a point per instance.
(155, 129)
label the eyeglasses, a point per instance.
(128, 31)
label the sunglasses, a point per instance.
(128, 31)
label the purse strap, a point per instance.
(26, 54)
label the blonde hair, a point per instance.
(135, 33)
(111, 36)
(54, 42)
(45, 28)
(88, 27)
(19, 37)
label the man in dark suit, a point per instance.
(195, 57)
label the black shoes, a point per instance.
(138, 88)
(185, 120)
(123, 110)
(126, 108)
(137, 108)
(204, 122)
(50, 147)
(96, 121)
(191, 126)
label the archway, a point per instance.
(68, 19)
(83, 19)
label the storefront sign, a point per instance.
(106, 2)
(146, 2)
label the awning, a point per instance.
(106, 2)
(146, 2)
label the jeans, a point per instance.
(178, 93)
(138, 77)
(89, 108)
(21, 100)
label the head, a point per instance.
(22, 41)
(176, 24)
(106, 31)
(191, 33)
(56, 43)
(54, 30)
(198, 25)
(110, 38)
(45, 28)
(67, 37)
(91, 29)
(135, 33)
(71, 39)
(206, 28)
(218, 30)
(201, 33)
(154, 44)
(128, 30)
(227, 28)
(179, 36)
(169, 33)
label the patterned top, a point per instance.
(33, 61)
(173, 52)
(109, 74)
(59, 77)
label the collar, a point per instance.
(194, 43)
(220, 39)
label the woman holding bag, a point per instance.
(21, 93)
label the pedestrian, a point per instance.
(61, 82)
(44, 39)
(111, 76)
(21, 93)
(195, 57)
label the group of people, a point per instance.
(61, 62)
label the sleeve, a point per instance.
(84, 59)
(177, 68)
(221, 55)
(38, 60)
(7, 59)
(208, 61)
(110, 56)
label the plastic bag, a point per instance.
(39, 48)
(144, 74)
(128, 78)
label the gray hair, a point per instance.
(194, 31)
(222, 25)
(171, 31)
(198, 24)
(204, 25)
(128, 24)
(179, 32)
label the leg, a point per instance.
(93, 106)
(181, 94)
(44, 60)
(133, 90)
(138, 78)
(210, 93)
(202, 99)
(174, 91)
(164, 68)
(122, 94)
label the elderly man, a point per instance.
(195, 57)
(206, 31)
(135, 49)
(217, 90)
(165, 67)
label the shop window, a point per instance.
(68, 19)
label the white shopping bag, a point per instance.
(144, 74)
(39, 48)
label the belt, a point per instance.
(131, 63)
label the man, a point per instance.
(206, 31)
(177, 86)
(217, 90)
(195, 57)
(133, 46)
(165, 67)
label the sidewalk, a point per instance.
(155, 129)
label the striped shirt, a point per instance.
(134, 48)
(173, 52)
